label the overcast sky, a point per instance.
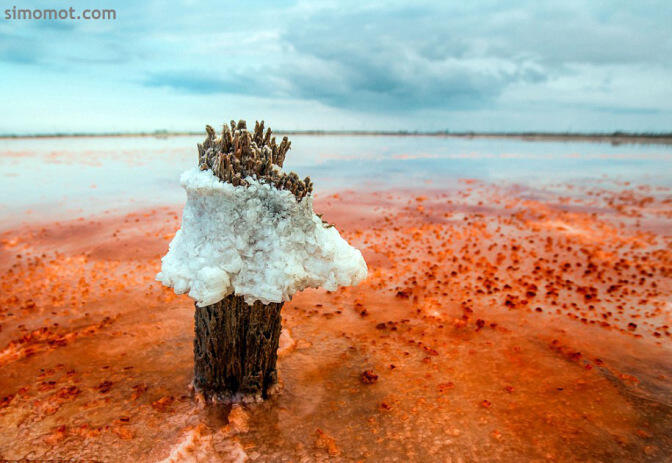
(468, 65)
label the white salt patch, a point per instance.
(256, 241)
(199, 446)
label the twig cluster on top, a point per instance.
(238, 154)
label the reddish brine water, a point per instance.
(518, 307)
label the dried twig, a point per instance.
(239, 153)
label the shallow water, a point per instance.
(518, 307)
(57, 177)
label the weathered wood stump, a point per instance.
(236, 348)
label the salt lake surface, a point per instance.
(56, 176)
(518, 306)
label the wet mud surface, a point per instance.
(498, 323)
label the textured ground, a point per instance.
(497, 323)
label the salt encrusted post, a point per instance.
(249, 240)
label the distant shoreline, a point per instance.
(613, 138)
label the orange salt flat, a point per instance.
(495, 324)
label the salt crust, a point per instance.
(256, 241)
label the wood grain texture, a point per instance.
(236, 348)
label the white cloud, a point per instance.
(478, 65)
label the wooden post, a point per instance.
(236, 348)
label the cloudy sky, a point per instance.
(470, 65)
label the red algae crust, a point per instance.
(496, 324)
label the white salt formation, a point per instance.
(255, 241)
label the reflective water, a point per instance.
(518, 307)
(123, 172)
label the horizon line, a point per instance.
(617, 136)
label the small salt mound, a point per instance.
(256, 241)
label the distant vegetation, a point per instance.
(616, 137)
